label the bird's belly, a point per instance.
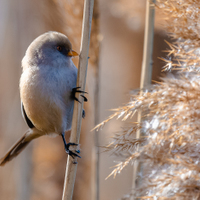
(46, 116)
(47, 105)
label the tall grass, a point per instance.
(170, 111)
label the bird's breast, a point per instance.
(46, 95)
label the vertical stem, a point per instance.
(147, 63)
(96, 155)
(71, 168)
(146, 72)
(96, 140)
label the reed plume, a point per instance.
(170, 111)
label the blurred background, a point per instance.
(114, 70)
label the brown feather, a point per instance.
(15, 150)
(19, 146)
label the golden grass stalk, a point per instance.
(146, 73)
(170, 116)
(169, 150)
(95, 60)
(77, 114)
(182, 22)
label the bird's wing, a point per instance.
(28, 121)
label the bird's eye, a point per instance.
(59, 48)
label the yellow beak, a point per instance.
(72, 53)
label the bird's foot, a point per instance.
(71, 153)
(75, 90)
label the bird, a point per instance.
(47, 91)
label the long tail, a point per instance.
(18, 147)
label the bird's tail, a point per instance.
(18, 147)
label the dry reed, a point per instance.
(171, 114)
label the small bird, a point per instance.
(47, 91)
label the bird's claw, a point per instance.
(83, 114)
(75, 90)
(71, 153)
(67, 145)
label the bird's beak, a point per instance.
(72, 53)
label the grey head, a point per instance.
(49, 47)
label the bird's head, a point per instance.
(50, 47)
